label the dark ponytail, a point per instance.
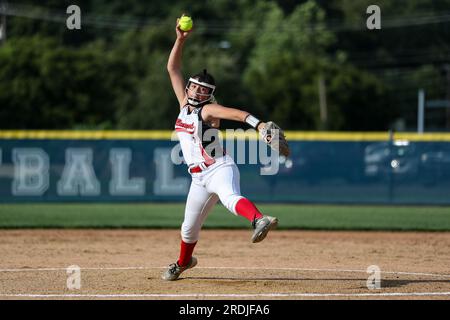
(205, 77)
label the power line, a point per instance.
(233, 27)
(96, 20)
(364, 59)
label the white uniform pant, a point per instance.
(218, 182)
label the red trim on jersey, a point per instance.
(208, 159)
(185, 127)
(183, 130)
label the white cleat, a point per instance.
(174, 270)
(262, 226)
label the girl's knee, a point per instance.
(189, 233)
(230, 202)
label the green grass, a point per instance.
(314, 217)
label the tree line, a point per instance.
(307, 65)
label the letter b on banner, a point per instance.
(31, 172)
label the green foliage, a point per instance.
(267, 57)
(46, 85)
(285, 68)
(358, 99)
(150, 103)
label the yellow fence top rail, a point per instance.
(167, 134)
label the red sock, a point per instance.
(247, 209)
(185, 253)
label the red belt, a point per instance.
(199, 168)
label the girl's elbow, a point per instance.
(170, 69)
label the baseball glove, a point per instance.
(274, 136)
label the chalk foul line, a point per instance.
(206, 295)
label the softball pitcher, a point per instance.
(215, 176)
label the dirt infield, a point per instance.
(127, 264)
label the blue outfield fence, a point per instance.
(323, 168)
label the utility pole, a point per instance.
(421, 111)
(447, 105)
(323, 103)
